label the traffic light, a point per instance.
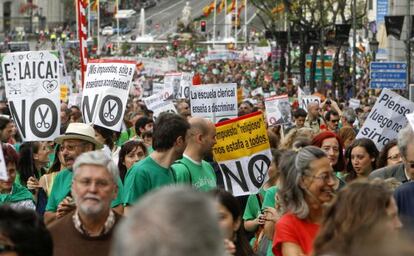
(203, 26)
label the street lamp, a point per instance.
(373, 46)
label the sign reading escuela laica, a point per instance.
(32, 90)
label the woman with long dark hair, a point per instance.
(362, 157)
(230, 220)
(34, 157)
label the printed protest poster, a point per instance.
(354, 103)
(158, 67)
(216, 102)
(386, 119)
(105, 93)
(3, 168)
(157, 88)
(172, 83)
(257, 91)
(304, 101)
(243, 153)
(32, 90)
(185, 83)
(159, 103)
(278, 110)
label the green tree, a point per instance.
(312, 19)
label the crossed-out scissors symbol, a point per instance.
(261, 175)
(109, 113)
(43, 119)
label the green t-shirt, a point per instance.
(18, 193)
(201, 176)
(252, 209)
(62, 188)
(269, 198)
(125, 136)
(145, 176)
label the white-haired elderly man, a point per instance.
(88, 230)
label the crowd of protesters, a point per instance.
(96, 191)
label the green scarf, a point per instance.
(19, 193)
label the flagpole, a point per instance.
(225, 19)
(245, 21)
(236, 10)
(214, 23)
(117, 26)
(98, 49)
(89, 18)
(77, 19)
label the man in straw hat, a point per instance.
(78, 138)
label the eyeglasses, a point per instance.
(326, 177)
(395, 157)
(99, 183)
(335, 120)
(71, 147)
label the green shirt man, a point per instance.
(200, 175)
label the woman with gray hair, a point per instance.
(308, 182)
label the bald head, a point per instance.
(202, 133)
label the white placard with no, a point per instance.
(105, 93)
(33, 92)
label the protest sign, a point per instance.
(105, 93)
(157, 88)
(306, 99)
(410, 118)
(3, 168)
(243, 153)
(214, 101)
(185, 83)
(159, 103)
(224, 55)
(75, 99)
(32, 89)
(386, 119)
(172, 83)
(262, 53)
(153, 66)
(257, 91)
(278, 110)
(354, 103)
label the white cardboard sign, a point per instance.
(33, 92)
(105, 93)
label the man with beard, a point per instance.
(78, 138)
(192, 169)
(169, 142)
(88, 229)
